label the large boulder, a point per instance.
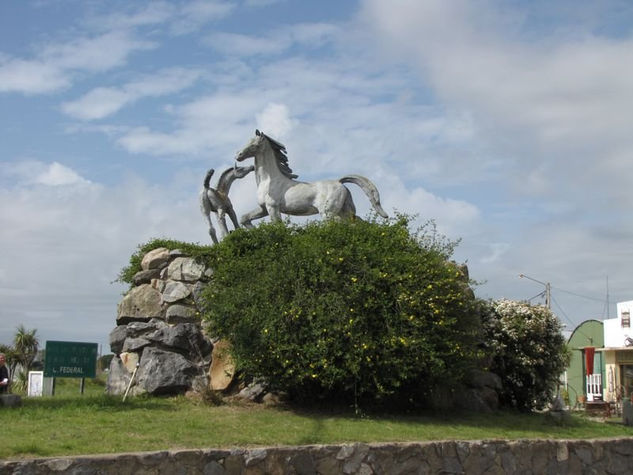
(118, 376)
(185, 269)
(132, 330)
(175, 291)
(185, 337)
(140, 303)
(145, 276)
(178, 313)
(155, 259)
(165, 372)
(222, 369)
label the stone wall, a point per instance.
(158, 330)
(602, 456)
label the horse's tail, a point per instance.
(207, 178)
(370, 190)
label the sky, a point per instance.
(506, 122)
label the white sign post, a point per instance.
(36, 383)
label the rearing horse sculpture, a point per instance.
(278, 191)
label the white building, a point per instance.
(618, 354)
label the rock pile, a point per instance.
(158, 331)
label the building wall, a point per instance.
(588, 333)
(616, 329)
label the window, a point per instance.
(626, 319)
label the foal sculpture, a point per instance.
(216, 200)
(278, 191)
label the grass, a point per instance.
(70, 424)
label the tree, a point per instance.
(363, 312)
(25, 345)
(527, 350)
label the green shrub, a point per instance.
(363, 312)
(527, 350)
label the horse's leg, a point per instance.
(222, 222)
(274, 212)
(257, 213)
(231, 212)
(205, 207)
(214, 237)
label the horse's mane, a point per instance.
(280, 155)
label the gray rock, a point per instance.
(196, 291)
(254, 456)
(175, 291)
(179, 336)
(165, 372)
(140, 303)
(155, 259)
(185, 269)
(213, 468)
(141, 328)
(184, 337)
(117, 337)
(483, 400)
(145, 276)
(352, 463)
(253, 392)
(135, 344)
(132, 330)
(181, 314)
(303, 464)
(118, 377)
(484, 379)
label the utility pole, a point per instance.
(548, 290)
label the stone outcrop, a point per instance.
(608, 456)
(481, 393)
(158, 330)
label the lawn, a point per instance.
(69, 424)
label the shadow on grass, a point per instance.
(502, 421)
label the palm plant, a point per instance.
(25, 345)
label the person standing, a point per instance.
(4, 375)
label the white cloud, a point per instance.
(30, 76)
(98, 103)
(540, 102)
(154, 13)
(277, 41)
(193, 15)
(59, 175)
(53, 68)
(33, 172)
(104, 101)
(275, 120)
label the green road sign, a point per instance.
(69, 359)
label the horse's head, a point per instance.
(251, 147)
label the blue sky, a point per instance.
(508, 123)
